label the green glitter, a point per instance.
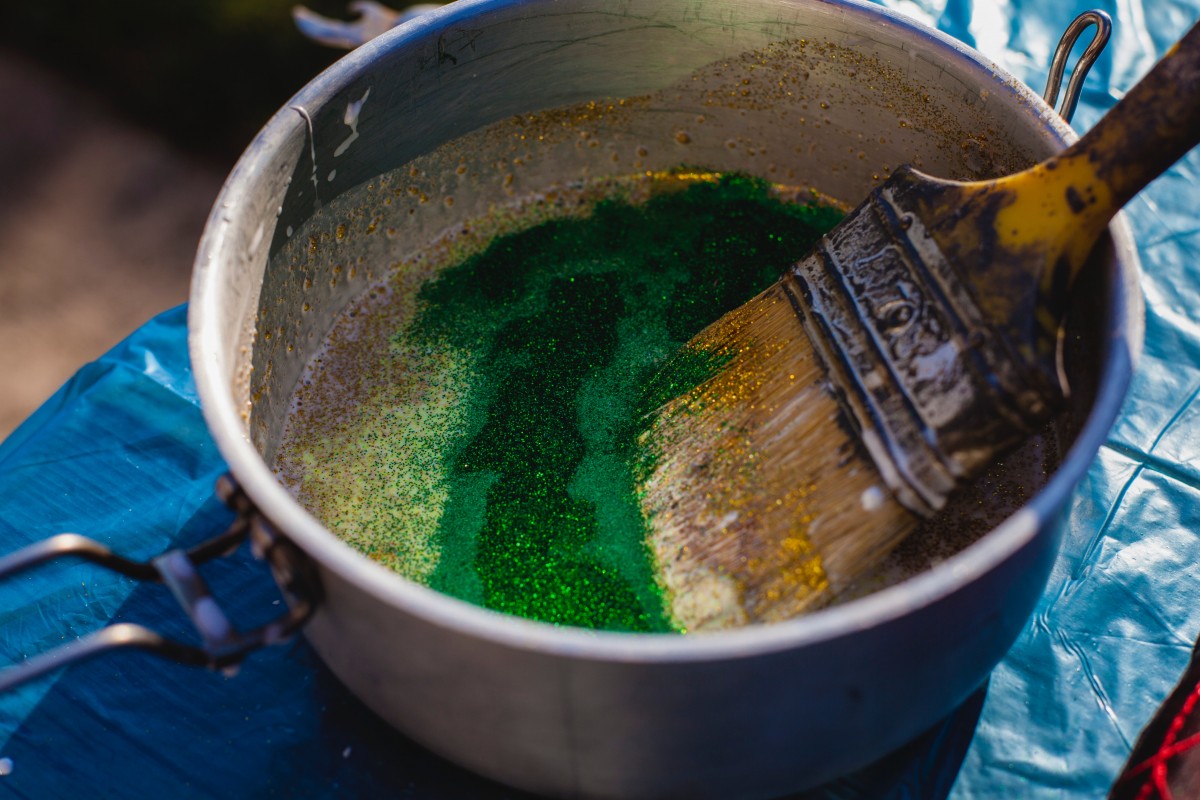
(568, 324)
(683, 371)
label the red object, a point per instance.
(1165, 762)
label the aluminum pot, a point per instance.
(832, 94)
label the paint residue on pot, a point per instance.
(496, 461)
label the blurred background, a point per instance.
(118, 123)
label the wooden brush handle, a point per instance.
(1150, 129)
(1066, 202)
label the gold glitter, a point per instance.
(715, 492)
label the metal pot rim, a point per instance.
(226, 425)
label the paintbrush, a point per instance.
(918, 342)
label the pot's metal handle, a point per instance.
(1058, 64)
(223, 645)
(372, 20)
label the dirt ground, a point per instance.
(99, 221)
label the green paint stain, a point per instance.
(569, 325)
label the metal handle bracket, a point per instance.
(372, 19)
(222, 646)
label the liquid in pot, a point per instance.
(489, 449)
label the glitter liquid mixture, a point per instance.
(491, 452)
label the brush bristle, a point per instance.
(761, 502)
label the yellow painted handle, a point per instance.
(1151, 128)
(1047, 218)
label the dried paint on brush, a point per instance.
(499, 463)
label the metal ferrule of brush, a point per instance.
(933, 391)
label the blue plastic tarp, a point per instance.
(121, 454)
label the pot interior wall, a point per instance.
(439, 129)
